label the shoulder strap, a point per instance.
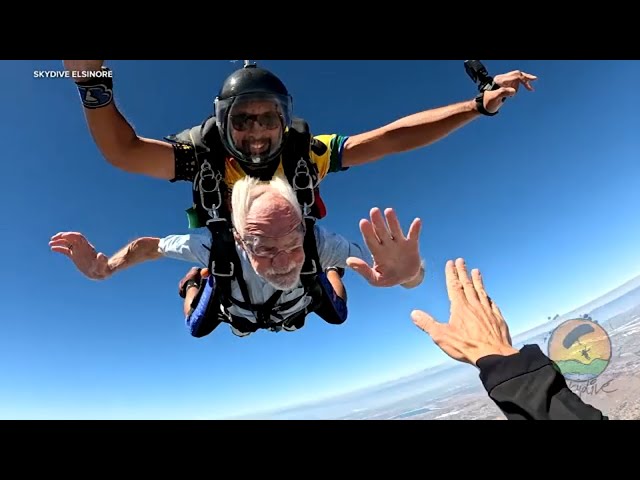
(210, 194)
(302, 175)
(206, 191)
(300, 171)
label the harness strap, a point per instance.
(302, 175)
(210, 192)
(262, 313)
(301, 172)
(282, 306)
(311, 267)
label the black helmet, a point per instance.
(253, 84)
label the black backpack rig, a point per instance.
(210, 198)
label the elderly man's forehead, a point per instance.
(254, 105)
(270, 214)
(266, 200)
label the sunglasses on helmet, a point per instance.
(268, 120)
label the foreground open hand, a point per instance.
(476, 327)
(396, 257)
(75, 246)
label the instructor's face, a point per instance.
(256, 127)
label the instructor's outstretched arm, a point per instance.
(429, 126)
(112, 133)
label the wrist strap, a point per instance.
(97, 92)
(485, 87)
(480, 106)
(188, 284)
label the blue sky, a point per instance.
(543, 198)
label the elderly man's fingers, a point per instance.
(369, 236)
(414, 230)
(394, 224)
(63, 250)
(361, 267)
(73, 238)
(380, 226)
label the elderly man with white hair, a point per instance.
(269, 236)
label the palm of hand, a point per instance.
(396, 262)
(396, 258)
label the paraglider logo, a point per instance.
(580, 349)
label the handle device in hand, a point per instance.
(480, 76)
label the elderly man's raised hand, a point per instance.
(396, 258)
(74, 245)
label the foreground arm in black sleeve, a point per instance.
(527, 386)
(524, 384)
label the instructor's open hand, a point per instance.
(509, 86)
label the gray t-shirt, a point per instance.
(333, 251)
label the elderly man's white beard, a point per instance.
(286, 280)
